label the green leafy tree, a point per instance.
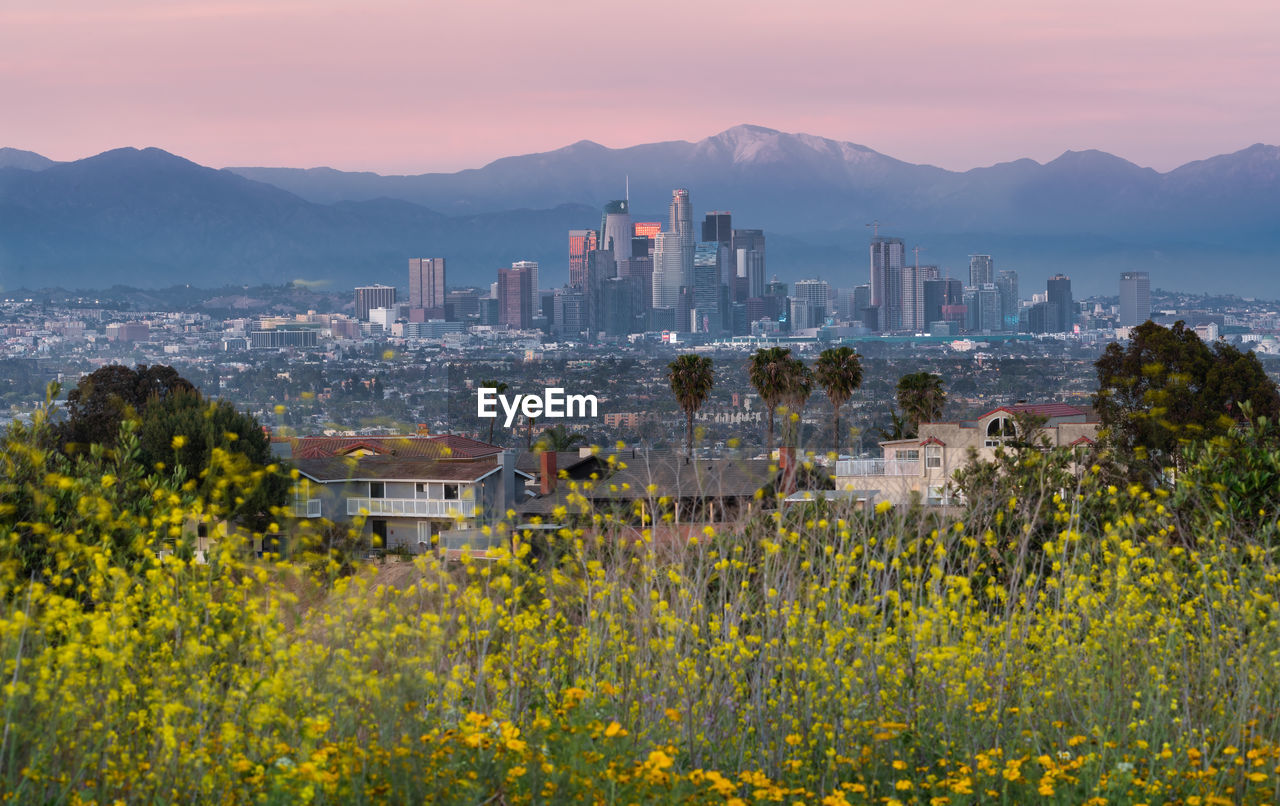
(108, 396)
(839, 372)
(1166, 388)
(766, 369)
(691, 379)
(187, 437)
(921, 398)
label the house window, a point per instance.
(998, 430)
(424, 489)
(451, 492)
(377, 489)
(379, 528)
(907, 455)
(933, 456)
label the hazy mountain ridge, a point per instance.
(146, 217)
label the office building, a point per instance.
(1061, 316)
(426, 283)
(581, 241)
(515, 297)
(858, 304)
(369, 297)
(680, 216)
(981, 270)
(913, 280)
(570, 312)
(936, 293)
(530, 266)
(886, 281)
(668, 270)
(1135, 298)
(1007, 282)
(817, 296)
(615, 229)
(706, 307)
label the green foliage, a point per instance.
(108, 396)
(691, 379)
(921, 398)
(558, 438)
(1231, 485)
(183, 435)
(1166, 389)
(766, 370)
(838, 371)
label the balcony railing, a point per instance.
(412, 506)
(878, 467)
(308, 508)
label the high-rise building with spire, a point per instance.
(615, 229)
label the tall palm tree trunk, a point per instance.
(689, 434)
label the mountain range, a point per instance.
(149, 218)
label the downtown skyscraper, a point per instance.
(426, 284)
(887, 256)
(1135, 298)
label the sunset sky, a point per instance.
(412, 86)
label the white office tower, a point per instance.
(817, 295)
(668, 270)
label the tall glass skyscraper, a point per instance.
(707, 257)
(615, 229)
(1061, 315)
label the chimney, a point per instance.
(548, 472)
(787, 464)
(507, 461)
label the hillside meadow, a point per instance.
(1066, 637)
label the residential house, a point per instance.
(923, 465)
(410, 502)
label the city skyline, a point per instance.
(394, 89)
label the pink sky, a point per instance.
(411, 86)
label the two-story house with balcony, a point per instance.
(924, 465)
(408, 501)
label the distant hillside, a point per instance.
(147, 217)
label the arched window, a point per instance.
(998, 430)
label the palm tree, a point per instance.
(691, 378)
(499, 387)
(797, 384)
(558, 438)
(921, 398)
(838, 372)
(766, 369)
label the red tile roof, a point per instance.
(435, 446)
(1049, 410)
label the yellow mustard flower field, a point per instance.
(1100, 643)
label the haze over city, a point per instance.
(399, 87)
